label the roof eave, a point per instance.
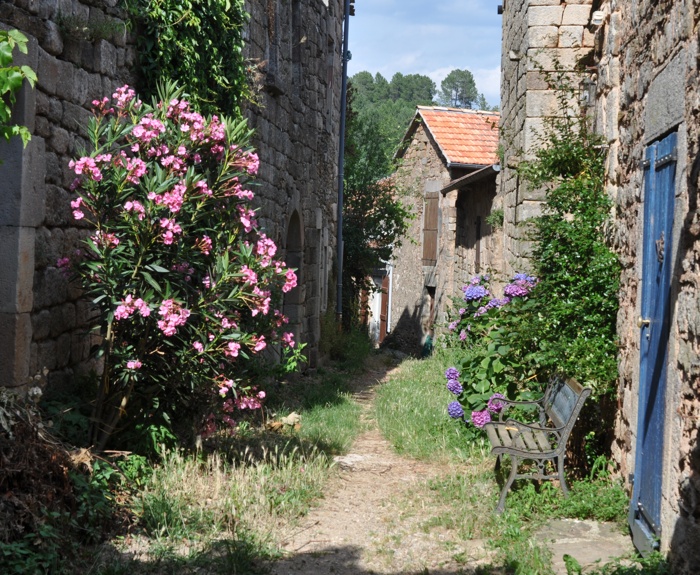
(471, 178)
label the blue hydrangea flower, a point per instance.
(474, 292)
(455, 410)
(454, 386)
(452, 373)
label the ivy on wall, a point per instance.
(11, 79)
(197, 43)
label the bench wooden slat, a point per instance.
(562, 402)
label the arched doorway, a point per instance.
(294, 300)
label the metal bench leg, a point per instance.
(513, 471)
(562, 477)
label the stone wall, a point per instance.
(648, 85)
(536, 35)
(296, 47)
(422, 170)
(43, 325)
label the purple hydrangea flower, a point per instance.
(452, 373)
(474, 292)
(454, 410)
(462, 335)
(454, 386)
(517, 289)
(495, 405)
(481, 311)
(453, 325)
(481, 418)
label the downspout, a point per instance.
(341, 161)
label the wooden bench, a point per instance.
(538, 442)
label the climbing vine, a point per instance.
(197, 43)
(11, 78)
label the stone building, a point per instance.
(641, 59)
(539, 36)
(296, 46)
(448, 176)
(647, 107)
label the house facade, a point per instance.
(447, 177)
(640, 83)
(44, 325)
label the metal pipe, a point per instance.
(341, 160)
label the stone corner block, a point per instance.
(545, 15)
(15, 346)
(576, 15)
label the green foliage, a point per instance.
(11, 79)
(458, 90)
(374, 217)
(574, 324)
(379, 115)
(495, 218)
(348, 347)
(185, 284)
(410, 410)
(198, 44)
(564, 319)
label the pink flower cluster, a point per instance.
(137, 207)
(77, 212)
(105, 239)
(129, 305)
(291, 281)
(250, 401)
(148, 129)
(88, 166)
(262, 301)
(266, 248)
(232, 349)
(171, 228)
(288, 339)
(133, 364)
(173, 316)
(123, 96)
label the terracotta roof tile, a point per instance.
(464, 136)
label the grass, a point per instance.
(225, 510)
(411, 412)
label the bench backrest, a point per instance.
(563, 402)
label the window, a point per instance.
(430, 228)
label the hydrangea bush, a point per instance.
(189, 291)
(493, 369)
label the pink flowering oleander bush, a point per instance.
(189, 290)
(496, 364)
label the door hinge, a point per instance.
(667, 159)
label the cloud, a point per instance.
(412, 37)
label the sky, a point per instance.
(429, 37)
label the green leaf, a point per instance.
(149, 278)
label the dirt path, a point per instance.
(361, 526)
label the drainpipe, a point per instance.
(341, 160)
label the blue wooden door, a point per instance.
(659, 194)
